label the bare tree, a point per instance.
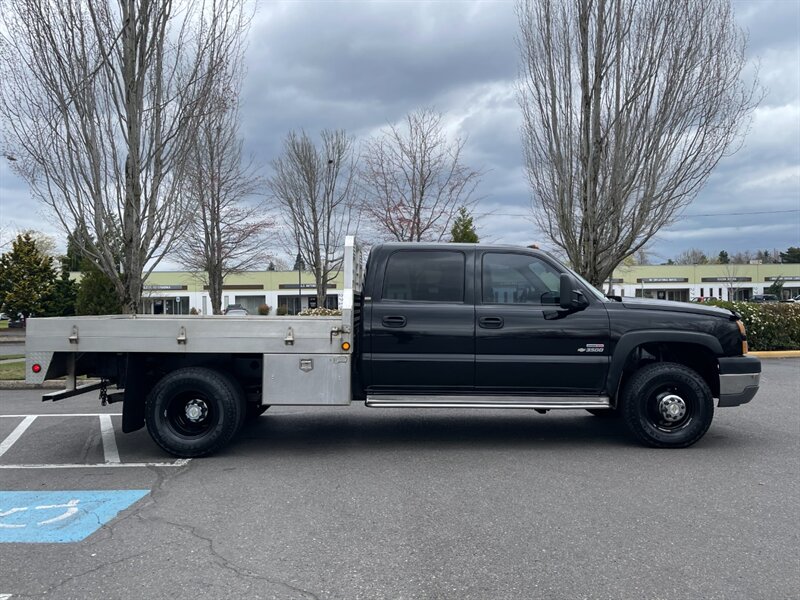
(732, 280)
(641, 256)
(225, 234)
(46, 244)
(628, 105)
(100, 103)
(414, 179)
(693, 256)
(316, 189)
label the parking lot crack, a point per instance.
(62, 583)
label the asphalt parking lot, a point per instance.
(384, 503)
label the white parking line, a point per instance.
(61, 415)
(110, 451)
(180, 462)
(6, 444)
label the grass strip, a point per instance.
(14, 370)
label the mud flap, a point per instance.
(135, 391)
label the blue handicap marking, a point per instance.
(68, 516)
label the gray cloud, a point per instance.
(359, 65)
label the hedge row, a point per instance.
(770, 326)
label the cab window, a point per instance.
(424, 276)
(518, 279)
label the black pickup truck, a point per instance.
(486, 326)
(427, 325)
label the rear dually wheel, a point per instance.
(194, 411)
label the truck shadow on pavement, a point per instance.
(437, 429)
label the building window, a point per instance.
(292, 304)
(251, 303)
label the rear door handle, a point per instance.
(491, 322)
(394, 321)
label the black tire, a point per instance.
(667, 405)
(255, 410)
(217, 405)
(604, 413)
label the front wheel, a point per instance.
(194, 411)
(667, 405)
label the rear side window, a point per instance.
(421, 276)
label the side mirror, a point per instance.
(571, 297)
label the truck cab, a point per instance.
(453, 325)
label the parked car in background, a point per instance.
(4, 317)
(235, 310)
(764, 298)
(16, 324)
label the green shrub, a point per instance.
(281, 311)
(770, 326)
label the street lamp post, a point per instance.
(300, 267)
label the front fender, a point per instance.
(628, 342)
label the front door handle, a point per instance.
(394, 321)
(491, 322)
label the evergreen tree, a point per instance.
(63, 296)
(26, 278)
(463, 230)
(723, 259)
(73, 260)
(776, 288)
(96, 293)
(792, 255)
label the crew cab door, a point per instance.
(518, 350)
(422, 324)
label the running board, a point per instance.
(537, 402)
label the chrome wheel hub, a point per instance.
(196, 410)
(672, 408)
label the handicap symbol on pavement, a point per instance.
(58, 517)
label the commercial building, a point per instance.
(178, 292)
(689, 282)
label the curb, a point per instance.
(18, 384)
(8, 339)
(775, 354)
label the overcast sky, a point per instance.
(359, 65)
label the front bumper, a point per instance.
(739, 377)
